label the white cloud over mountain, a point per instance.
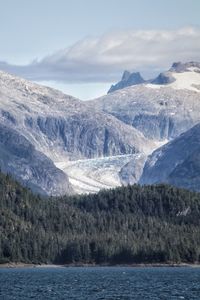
(103, 58)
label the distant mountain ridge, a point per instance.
(62, 128)
(135, 78)
(161, 110)
(83, 147)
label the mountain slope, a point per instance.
(108, 133)
(161, 110)
(131, 172)
(61, 126)
(187, 174)
(64, 128)
(177, 162)
(20, 158)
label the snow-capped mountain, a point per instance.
(180, 77)
(61, 126)
(64, 128)
(177, 162)
(162, 109)
(62, 144)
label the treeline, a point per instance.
(150, 224)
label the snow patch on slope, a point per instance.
(183, 80)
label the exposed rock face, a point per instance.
(161, 110)
(64, 128)
(177, 162)
(128, 79)
(111, 135)
(90, 135)
(131, 172)
(61, 126)
(20, 158)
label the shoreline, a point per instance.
(82, 265)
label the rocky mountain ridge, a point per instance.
(135, 78)
(159, 111)
(101, 143)
(64, 128)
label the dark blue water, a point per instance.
(109, 283)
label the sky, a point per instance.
(83, 46)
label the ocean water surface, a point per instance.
(105, 283)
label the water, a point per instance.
(109, 283)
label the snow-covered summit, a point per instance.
(182, 67)
(180, 76)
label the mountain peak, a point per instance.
(163, 78)
(183, 67)
(128, 79)
(126, 75)
(180, 76)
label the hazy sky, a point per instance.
(82, 46)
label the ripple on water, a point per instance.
(100, 283)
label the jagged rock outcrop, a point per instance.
(128, 79)
(177, 162)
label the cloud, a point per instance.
(102, 59)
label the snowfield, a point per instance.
(189, 80)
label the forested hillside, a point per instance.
(125, 225)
